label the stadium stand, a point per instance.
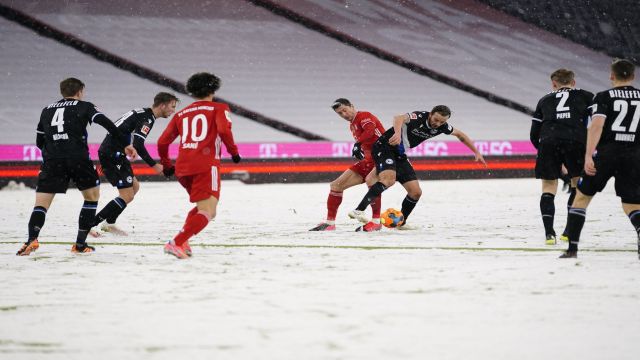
(275, 66)
(611, 26)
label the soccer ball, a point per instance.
(391, 218)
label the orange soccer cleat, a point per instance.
(28, 247)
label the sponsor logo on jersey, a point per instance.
(145, 129)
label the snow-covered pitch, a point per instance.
(474, 282)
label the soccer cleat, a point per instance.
(359, 215)
(28, 247)
(112, 228)
(175, 250)
(569, 254)
(82, 248)
(187, 248)
(370, 226)
(407, 227)
(324, 227)
(551, 239)
(564, 237)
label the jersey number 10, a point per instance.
(195, 137)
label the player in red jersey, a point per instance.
(366, 129)
(202, 127)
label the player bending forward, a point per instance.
(389, 153)
(201, 126)
(115, 165)
(366, 129)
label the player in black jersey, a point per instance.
(613, 150)
(115, 165)
(389, 154)
(62, 137)
(559, 132)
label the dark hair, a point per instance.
(563, 76)
(442, 110)
(339, 102)
(163, 98)
(201, 85)
(70, 87)
(623, 69)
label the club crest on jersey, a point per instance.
(145, 129)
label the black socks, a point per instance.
(86, 220)
(36, 222)
(373, 193)
(548, 211)
(407, 206)
(111, 211)
(575, 222)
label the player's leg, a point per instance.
(628, 189)
(386, 179)
(575, 222)
(573, 163)
(346, 180)
(548, 209)
(36, 222)
(120, 174)
(373, 225)
(633, 212)
(409, 180)
(86, 178)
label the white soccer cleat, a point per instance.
(112, 228)
(359, 215)
(408, 227)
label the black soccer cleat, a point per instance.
(569, 254)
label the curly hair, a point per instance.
(203, 84)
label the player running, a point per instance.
(116, 166)
(613, 150)
(202, 126)
(559, 132)
(389, 153)
(366, 129)
(62, 137)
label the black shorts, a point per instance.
(117, 169)
(386, 158)
(624, 166)
(55, 175)
(553, 153)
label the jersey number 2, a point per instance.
(200, 118)
(58, 119)
(561, 105)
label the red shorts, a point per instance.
(202, 186)
(363, 167)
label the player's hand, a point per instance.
(396, 139)
(357, 151)
(158, 168)
(480, 159)
(169, 171)
(589, 166)
(131, 152)
(236, 158)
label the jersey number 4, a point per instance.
(58, 120)
(622, 107)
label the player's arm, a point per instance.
(594, 132)
(40, 135)
(139, 137)
(466, 140)
(536, 125)
(398, 121)
(223, 124)
(169, 134)
(125, 139)
(368, 136)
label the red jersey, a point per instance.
(202, 127)
(366, 129)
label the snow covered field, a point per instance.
(475, 282)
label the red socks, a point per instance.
(333, 202)
(376, 204)
(194, 224)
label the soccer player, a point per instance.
(559, 132)
(366, 129)
(389, 153)
(613, 150)
(202, 126)
(62, 137)
(115, 165)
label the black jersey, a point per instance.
(137, 122)
(621, 107)
(562, 114)
(62, 130)
(416, 131)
